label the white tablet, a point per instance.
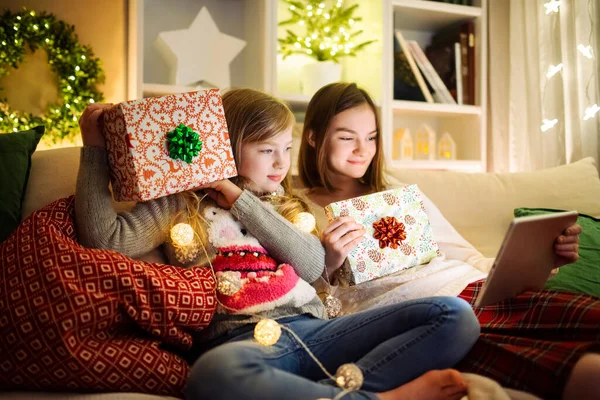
(526, 257)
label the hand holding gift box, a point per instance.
(398, 234)
(165, 145)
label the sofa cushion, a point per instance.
(73, 318)
(53, 176)
(15, 153)
(480, 206)
(583, 276)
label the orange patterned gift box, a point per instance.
(139, 152)
(398, 234)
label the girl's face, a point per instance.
(267, 163)
(352, 142)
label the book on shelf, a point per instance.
(460, 94)
(430, 73)
(413, 67)
(441, 54)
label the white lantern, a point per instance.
(425, 142)
(403, 145)
(446, 147)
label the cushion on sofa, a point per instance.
(15, 162)
(582, 276)
(73, 318)
(480, 206)
(53, 176)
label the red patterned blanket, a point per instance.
(532, 341)
(80, 319)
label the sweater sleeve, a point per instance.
(281, 238)
(132, 233)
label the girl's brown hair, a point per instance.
(252, 116)
(329, 101)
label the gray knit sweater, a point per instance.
(147, 226)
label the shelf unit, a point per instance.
(259, 65)
(418, 20)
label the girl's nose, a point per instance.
(279, 161)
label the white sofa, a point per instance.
(480, 206)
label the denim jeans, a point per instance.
(392, 345)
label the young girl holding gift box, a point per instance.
(392, 346)
(340, 158)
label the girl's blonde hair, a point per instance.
(328, 102)
(252, 116)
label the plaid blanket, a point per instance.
(532, 342)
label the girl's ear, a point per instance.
(311, 139)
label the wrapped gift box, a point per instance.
(398, 234)
(147, 161)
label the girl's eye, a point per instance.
(268, 151)
(373, 138)
(288, 148)
(346, 138)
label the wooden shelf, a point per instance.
(417, 15)
(449, 165)
(422, 108)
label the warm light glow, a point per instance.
(182, 234)
(229, 282)
(553, 70)
(591, 111)
(586, 51)
(548, 124)
(267, 332)
(552, 6)
(349, 377)
(305, 221)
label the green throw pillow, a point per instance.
(15, 160)
(582, 276)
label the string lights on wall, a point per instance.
(553, 7)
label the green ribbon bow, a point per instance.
(183, 143)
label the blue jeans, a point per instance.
(392, 345)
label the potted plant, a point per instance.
(327, 33)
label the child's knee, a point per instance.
(221, 370)
(466, 320)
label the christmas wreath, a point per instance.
(76, 69)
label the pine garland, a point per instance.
(76, 69)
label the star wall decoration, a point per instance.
(199, 53)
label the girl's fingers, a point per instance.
(562, 239)
(88, 110)
(350, 237)
(344, 229)
(93, 107)
(95, 115)
(569, 256)
(573, 247)
(336, 223)
(351, 245)
(574, 229)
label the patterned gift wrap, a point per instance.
(164, 145)
(398, 234)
